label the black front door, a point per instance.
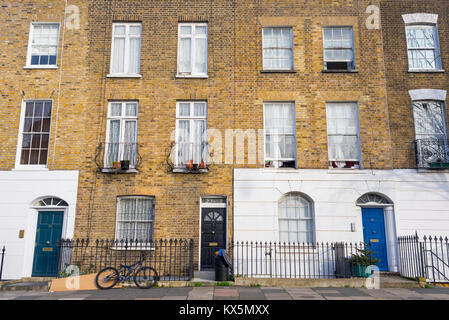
(213, 235)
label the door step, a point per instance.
(26, 286)
(203, 276)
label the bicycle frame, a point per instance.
(127, 271)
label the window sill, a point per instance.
(118, 171)
(426, 71)
(184, 170)
(124, 76)
(40, 67)
(346, 171)
(339, 71)
(278, 71)
(30, 168)
(434, 170)
(182, 76)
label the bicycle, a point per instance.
(144, 277)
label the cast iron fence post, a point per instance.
(1, 266)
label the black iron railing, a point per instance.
(432, 153)
(426, 257)
(109, 156)
(2, 259)
(294, 260)
(172, 259)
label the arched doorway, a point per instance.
(49, 229)
(379, 229)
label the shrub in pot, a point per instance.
(361, 260)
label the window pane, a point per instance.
(429, 120)
(184, 109)
(134, 56)
(185, 55)
(119, 30)
(116, 109)
(201, 30)
(200, 56)
(277, 52)
(131, 109)
(186, 30)
(36, 121)
(118, 57)
(199, 110)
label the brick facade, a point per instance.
(235, 91)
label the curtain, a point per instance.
(198, 140)
(338, 44)
(342, 130)
(183, 142)
(277, 51)
(200, 56)
(134, 56)
(185, 55)
(118, 57)
(113, 142)
(135, 219)
(280, 131)
(129, 143)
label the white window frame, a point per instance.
(30, 44)
(292, 66)
(31, 167)
(418, 136)
(354, 64)
(436, 48)
(127, 36)
(311, 218)
(265, 133)
(193, 36)
(359, 150)
(191, 118)
(123, 118)
(117, 221)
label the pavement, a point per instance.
(235, 293)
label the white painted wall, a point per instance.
(421, 202)
(18, 190)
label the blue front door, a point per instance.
(374, 233)
(46, 251)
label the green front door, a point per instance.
(46, 251)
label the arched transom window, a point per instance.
(50, 202)
(295, 219)
(373, 198)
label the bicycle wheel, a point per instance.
(107, 278)
(145, 278)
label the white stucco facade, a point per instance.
(19, 189)
(420, 203)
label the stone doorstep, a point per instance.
(26, 286)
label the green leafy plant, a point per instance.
(222, 284)
(363, 257)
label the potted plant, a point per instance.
(189, 165)
(124, 165)
(202, 166)
(361, 260)
(116, 164)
